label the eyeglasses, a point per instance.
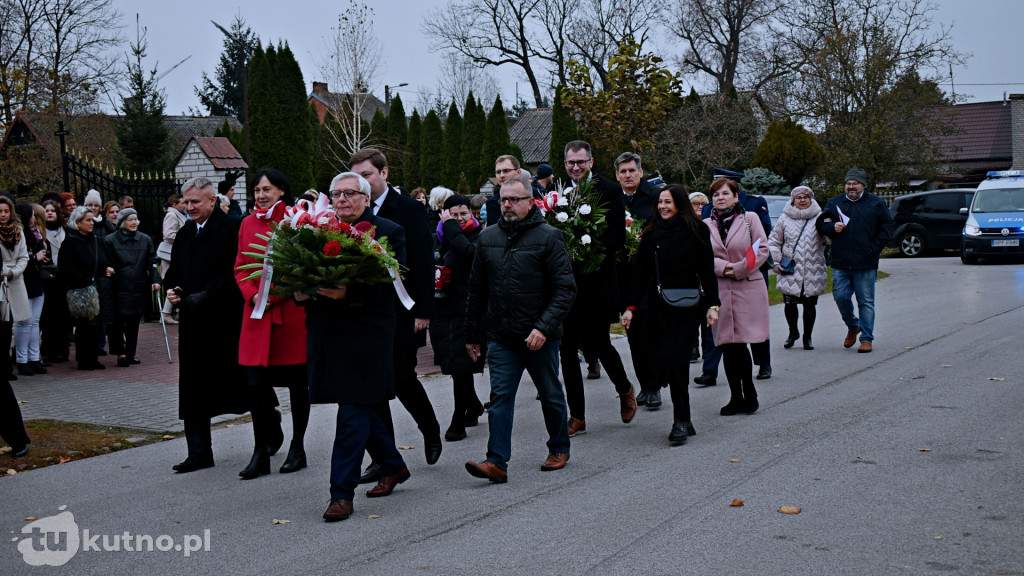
(348, 194)
(801, 197)
(503, 171)
(577, 162)
(514, 199)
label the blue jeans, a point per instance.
(846, 283)
(506, 365)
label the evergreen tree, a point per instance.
(236, 137)
(496, 139)
(397, 134)
(412, 151)
(222, 96)
(452, 147)
(431, 161)
(280, 123)
(516, 151)
(379, 129)
(790, 151)
(142, 137)
(563, 131)
(473, 124)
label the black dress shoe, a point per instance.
(749, 406)
(25, 370)
(258, 466)
(295, 461)
(654, 399)
(705, 379)
(20, 452)
(193, 463)
(473, 416)
(432, 449)
(808, 344)
(39, 367)
(641, 398)
(734, 407)
(135, 360)
(678, 435)
(122, 361)
(790, 341)
(454, 434)
(12, 376)
(372, 473)
(277, 438)
(765, 372)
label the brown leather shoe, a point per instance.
(339, 509)
(865, 347)
(593, 371)
(555, 462)
(386, 485)
(577, 426)
(851, 338)
(488, 470)
(627, 405)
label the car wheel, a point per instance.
(968, 259)
(911, 244)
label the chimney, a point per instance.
(1017, 130)
(320, 87)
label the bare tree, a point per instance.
(600, 25)
(18, 20)
(459, 76)
(351, 59)
(490, 33)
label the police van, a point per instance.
(995, 219)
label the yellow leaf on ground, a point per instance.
(64, 459)
(373, 516)
(29, 518)
(790, 510)
(5, 449)
(997, 379)
(736, 503)
(909, 347)
(406, 447)
(281, 521)
(734, 460)
(11, 471)
(938, 537)
(947, 365)
(167, 437)
(924, 449)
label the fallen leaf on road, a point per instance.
(909, 347)
(790, 510)
(167, 437)
(997, 379)
(373, 516)
(947, 365)
(938, 537)
(64, 459)
(230, 426)
(734, 460)
(11, 471)
(29, 518)
(126, 466)
(406, 447)
(736, 503)
(5, 450)
(281, 521)
(924, 449)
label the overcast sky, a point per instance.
(987, 29)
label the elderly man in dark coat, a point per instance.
(202, 285)
(349, 356)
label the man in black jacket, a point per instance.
(520, 291)
(411, 325)
(597, 306)
(505, 168)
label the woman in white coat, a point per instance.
(15, 305)
(795, 236)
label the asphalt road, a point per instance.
(903, 461)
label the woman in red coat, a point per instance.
(272, 348)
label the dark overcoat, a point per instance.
(597, 300)
(132, 256)
(448, 328)
(419, 278)
(210, 381)
(83, 261)
(349, 342)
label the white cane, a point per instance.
(164, 326)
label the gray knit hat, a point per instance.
(857, 174)
(123, 215)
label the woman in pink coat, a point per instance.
(272, 348)
(744, 315)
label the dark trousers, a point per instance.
(466, 400)
(762, 351)
(6, 335)
(262, 401)
(739, 371)
(12, 427)
(124, 335)
(54, 324)
(579, 331)
(198, 437)
(640, 347)
(360, 428)
(87, 338)
(673, 337)
(411, 394)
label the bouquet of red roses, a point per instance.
(312, 249)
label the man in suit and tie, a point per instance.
(411, 325)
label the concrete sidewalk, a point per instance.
(142, 396)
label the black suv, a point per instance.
(929, 220)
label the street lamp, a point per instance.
(387, 92)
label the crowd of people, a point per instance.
(490, 281)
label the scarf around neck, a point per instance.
(724, 218)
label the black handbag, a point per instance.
(682, 298)
(47, 271)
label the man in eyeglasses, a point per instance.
(520, 291)
(505, 168)
(597, 305)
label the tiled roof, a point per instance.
(221, 152)
(532, 132)
(334, 101)
(181, 129)
(983, 133)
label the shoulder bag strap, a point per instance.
(798, 236)
(657, 276)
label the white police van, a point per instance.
(995, 219)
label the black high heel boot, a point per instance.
(258, 466)
(295, 461)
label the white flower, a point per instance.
(563, 201)
(323, 220)
(568, 190)
(585, 239)
(562, 217)
(585, 209)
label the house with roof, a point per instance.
(984, 139)
(215, 159)
(532, 132)
(323, 100)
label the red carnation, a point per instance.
(344, 227)
(332, 248)
(364, 227)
